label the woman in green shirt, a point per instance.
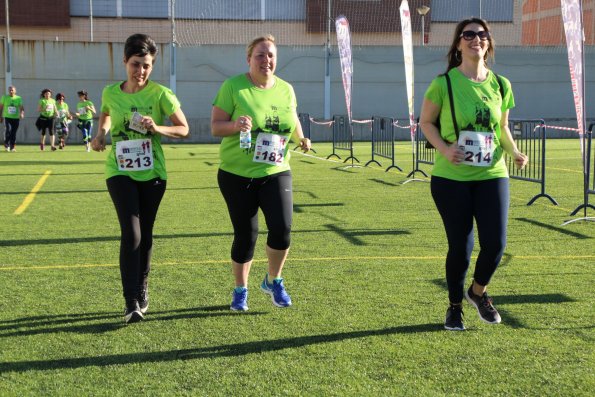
(255, 113)
(470, 178)
(45, 122)
(134, 113)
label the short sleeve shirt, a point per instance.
(154, 100)
(11, 106)
(272, 110)
(478, 107)
(84, 113)
(48, 107)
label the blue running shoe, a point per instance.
(276, 290)
(240, 300)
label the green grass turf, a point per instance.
(365, 271)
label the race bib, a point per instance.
(135, 155)
(12, 110)
(478, 147)
(136, 123)
(269, 148)
(49, 108)
(82, 110)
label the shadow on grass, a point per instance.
(299, 208)
(68, 322)
(555, 228)
(352, 235)
(230, 350)
(385, 182)
(504, 300)
(76, 240)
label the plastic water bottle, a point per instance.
(245, 139)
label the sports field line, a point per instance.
(314, 259)
(31, 196)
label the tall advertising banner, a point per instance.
(408, 60)
(344, 42)
(573, 27)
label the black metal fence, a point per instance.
(530, 138)
(342, 138)
(304, 119)
(588, 187)
(423, 154)
(383, 141)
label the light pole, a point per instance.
(423, 10)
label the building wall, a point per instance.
(540, 79)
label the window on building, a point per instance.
(490, 10)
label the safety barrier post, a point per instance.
(342, 137)
(304, 119)
(588, 189)
(383, 141)
(530, 138)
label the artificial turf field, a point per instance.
(365, 272)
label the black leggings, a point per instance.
(459, 203)
(136, 205)
(273, 194)
(10, 137)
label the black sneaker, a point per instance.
(143, 300)
(483, 304)
(132, 313)
(454, 318)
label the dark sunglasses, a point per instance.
(470, 35)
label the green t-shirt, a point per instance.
(84, 113)
(62, 111)
(272, 110)
(48, 107)
(11, 106)
(478, 107)
(154, 100)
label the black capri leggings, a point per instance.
(44, 124)
(136, 205)
(459, 203)
(273, 194)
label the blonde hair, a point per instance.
(253, 43)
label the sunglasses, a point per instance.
(470, 35)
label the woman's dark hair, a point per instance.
(83, 93)
(60, 96)
(139, 45)
(454, 55)
(44, 91)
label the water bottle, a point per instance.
(245, 139)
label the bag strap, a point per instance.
(452, 102)
(452, 105)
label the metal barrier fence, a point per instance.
(588, 188)
(304, 119)
(342, 137)
(423, 154)
(383, 141)
(530, 138)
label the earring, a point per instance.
(458, 56)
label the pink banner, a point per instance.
(573, 27)
(344, 42)
(408, 61)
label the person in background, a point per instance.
(11, 113)
(255, 113)
(134, 112)
(63, 119)
(469, 178)
(84, 112)
(45, 122)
